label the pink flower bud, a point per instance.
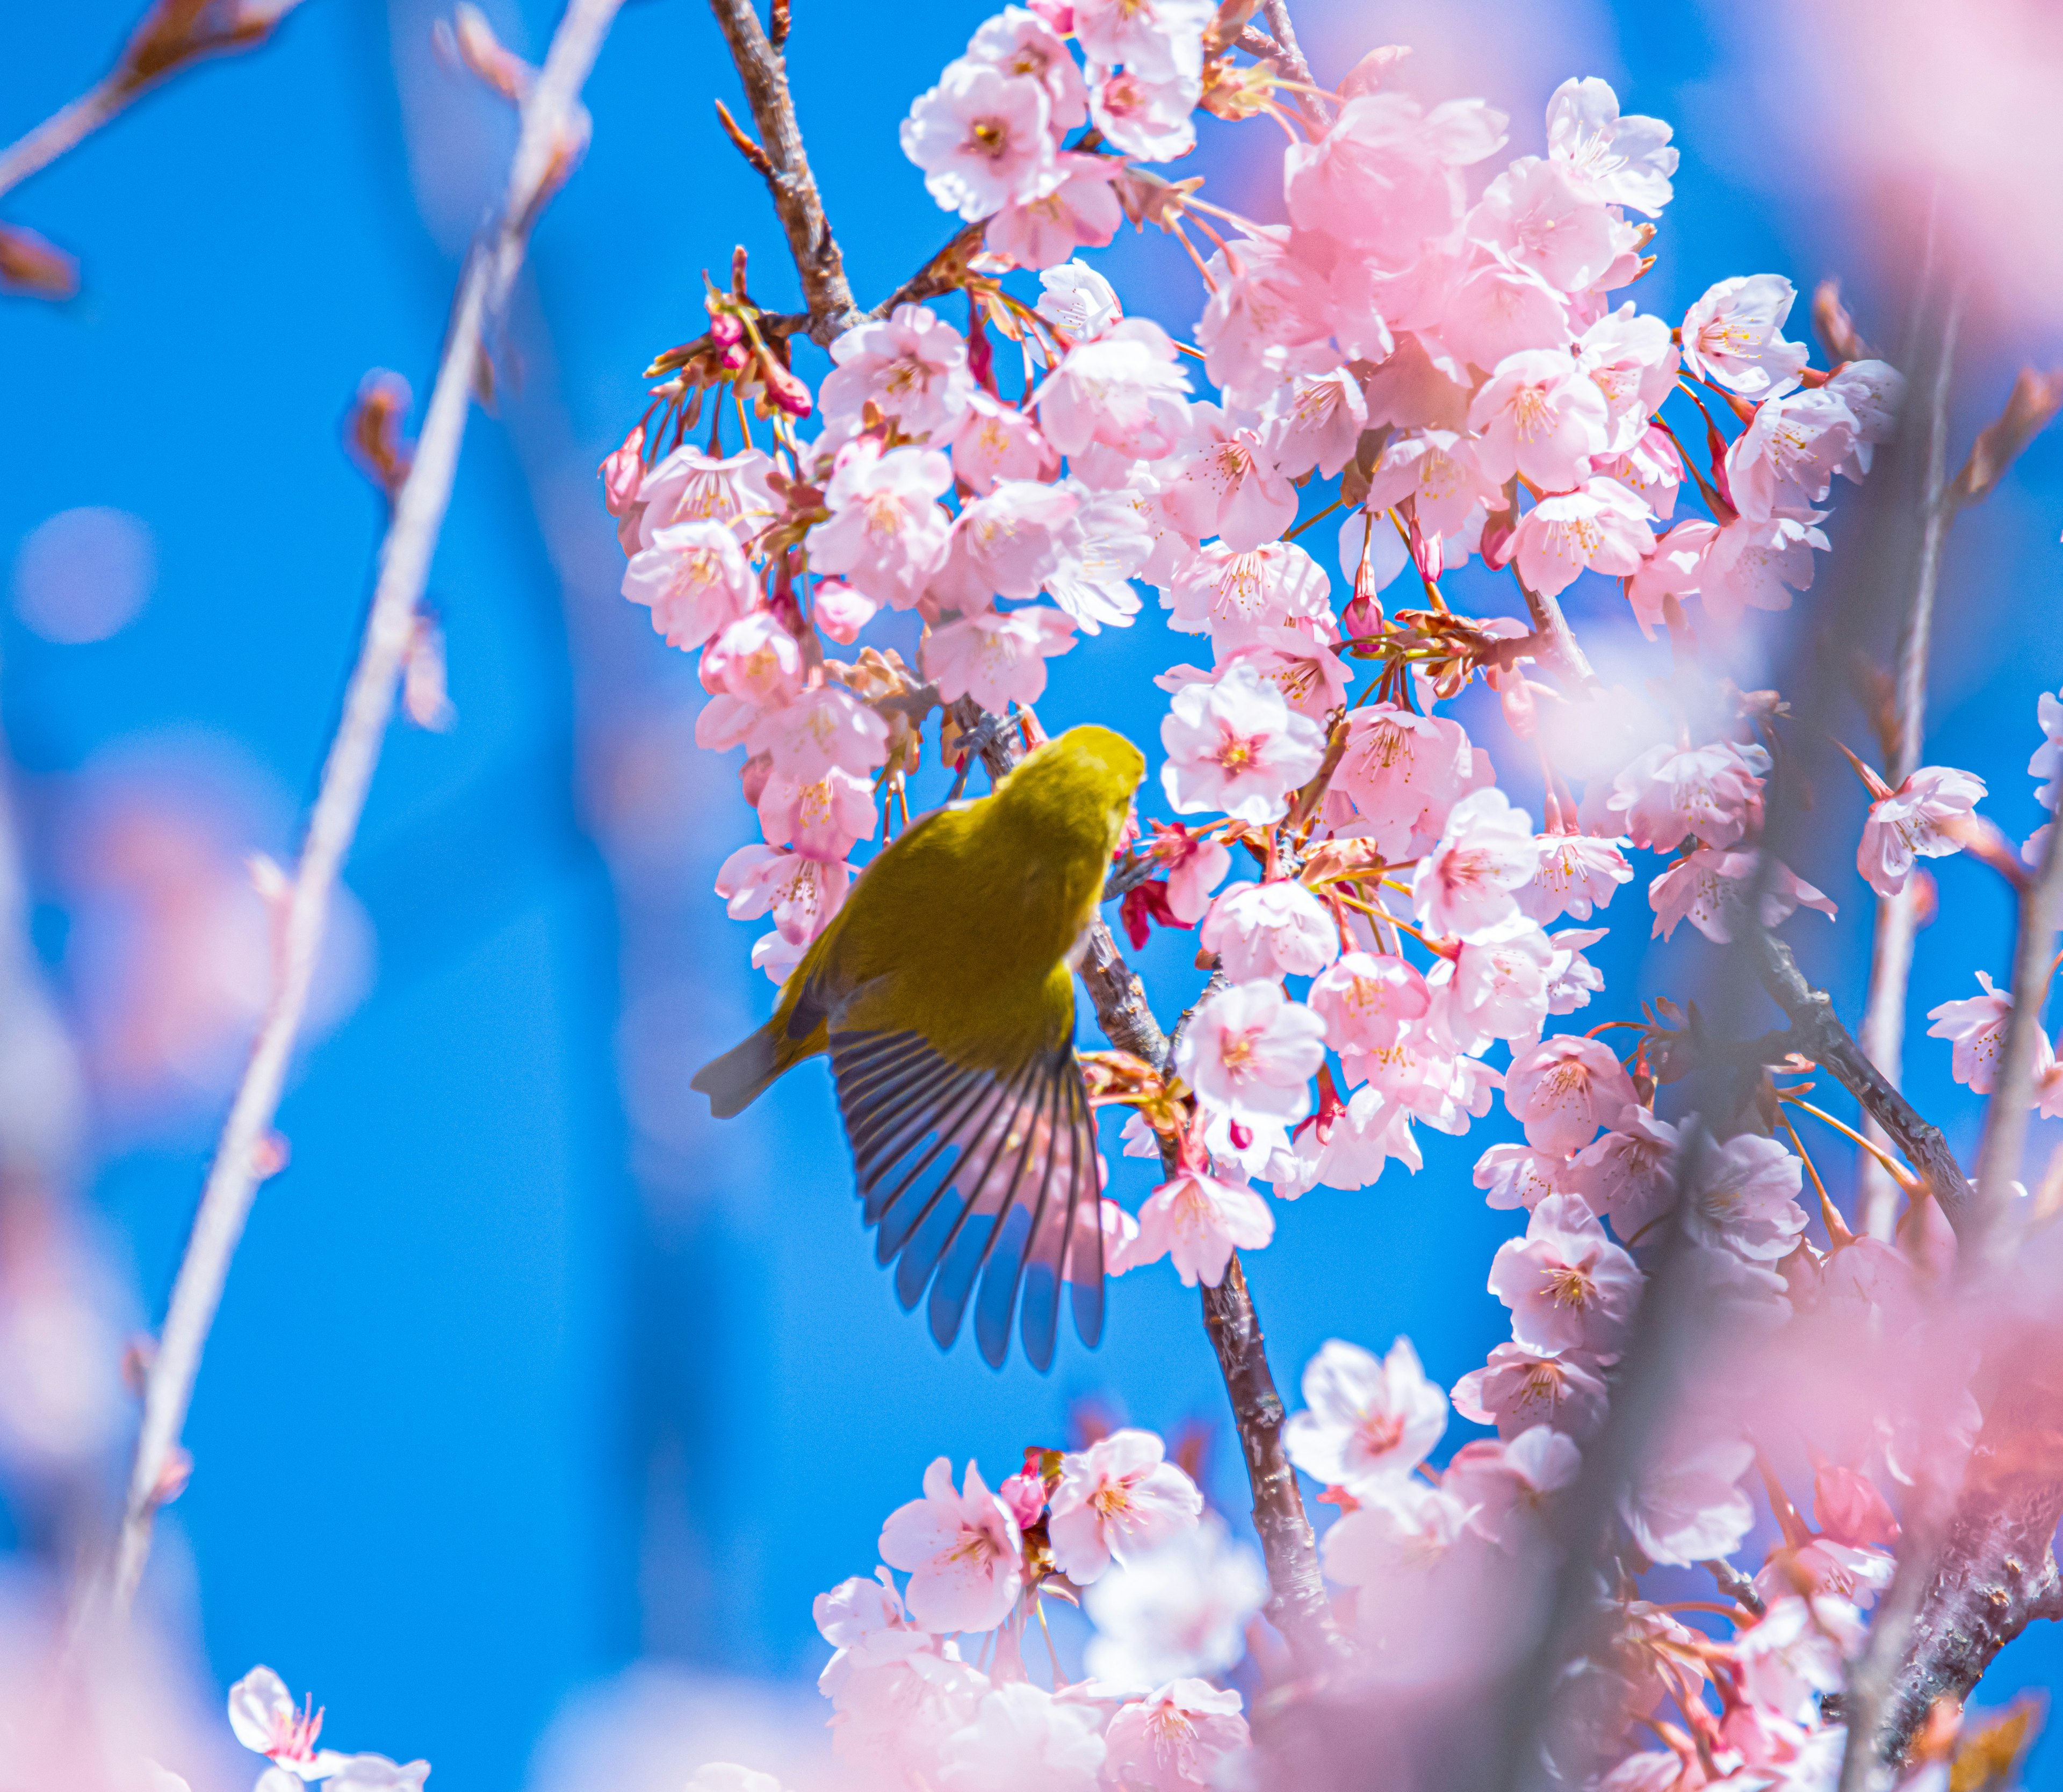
(725, 328)
(840, 611)
(1024, 1493)
(623, 473)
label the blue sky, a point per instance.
(526, 1367)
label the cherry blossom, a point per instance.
(689, 486)
(1485, 851)
(1350, 1149)
(911, 364)
(1601, 527)
(1541, 415)
(376, 1773)
(1710, 889)
(1686, 1505)
(1577, 872)
(1501, 309)
(1018, 42)
(1872, 390)
(1184, 1734)
(981, 138)
(1922, 818)
(823, 729)
(1497, 985)
(1081, 212)
(961, 1549)
(1751, 565)
(1157, 37)
(821, 820)
(1403, 773)
(1568, 1286)
(1315, 421)
(1629, 1176)
(1368, 1419)
(1197, 1221)
(1176, 1610)
(997, 657)
(1976, 1026)
(1145, 115)
(1386, 175)
(886, 532)
(1668, 795)
(1564, 1090)
(1521, 1388)
(1407, 1532)
(1796, 1652)
(1078, 301)
(265, 1720)
(1366, 1000)
(1005, 543)
(1441, 473)
(1230, 487)
(1235, 746)
(1024, 1739)
(1116, 1500)
(1734, 334)
(801, 892)
(994, 440)
(694, 579)
(1121, 390)
(1517, 1176)
(2047, 763)
(1232, 594)
(1786, 459)
(1744, 1196)
(1260, 930)
(1625, 160)
(1548, 219)
(1505, 1485)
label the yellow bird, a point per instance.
(943, 991)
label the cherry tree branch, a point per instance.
(1818, 1034)
(544, 153)
(818, 263)
(1287, 51)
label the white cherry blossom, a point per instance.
(1367, 1419)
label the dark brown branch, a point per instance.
(819, 265)
(1820, 1036)
(1297, 1607)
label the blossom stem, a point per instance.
(539, 166)
(1837, 1228)
(1903, 1177)
(1316, 516)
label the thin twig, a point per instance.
(541, 161)
(1883, 1032)
(820, 267)
(169, 37)
(1288, 51)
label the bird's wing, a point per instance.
(977, 1173)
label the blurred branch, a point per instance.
(1883, 1035)
(764, 71)
(553, 128)
(1286, 49)
(173, 35)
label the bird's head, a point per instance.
(1088, 773)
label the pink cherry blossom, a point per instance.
(1872, 390)
(981, 137)
(822, 728)
(1102, 547)
(1572, 979)
(912, 364)
(1629, 1176)
(1798, 1650)
(1519, 1388)
(1196, 866)
(1348, 1149)
(839, 611)
(1388, 1541)
(1018, 42)
(1313, 679)
(1632, 362)
(1710, 889)
(1498, 986)
(1115, 1501)
(1652, 470)
(1565, 1090)
(1024, 1739)
(997, 657)
(1506, 1484)
(1785, 460)
(1922, 818)
(1744, 1196)
(1122, 390)
(1235, 746)
(1315, 421)
(1403, 773)
(1439, 471)
(1625, 160)
(265, 1720)
(1268, 319)
(822, 819)
(1197, 1221)
(961, 1550)
(1568, 1286)
(1517, 1176)
(1081, 212)
(1541, 214)
(1157, 37)
(1077, 301)
(1252, 1052)
(1601, 527)
(1366, 1000)
(1687, 1505)
(1179, 1610)
(1756, 566)
(1577, 872)
(1541, 415)
(1485, 851)
(1229, 488)
(1734, 334)
(688, 486)
(995, 440)
(694, 579)
(1499, 309)
(886, 532)
(1263, 930)
(1231, 595)
(1977, 1026)
(1386, 176)
(1186, 1735)
(2047, 760)
(1368, 1419)
(1143, 115)
(1668, 795)
(1006, 544)
(376, 1773)
(801, 893)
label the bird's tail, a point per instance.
(738, 1079)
